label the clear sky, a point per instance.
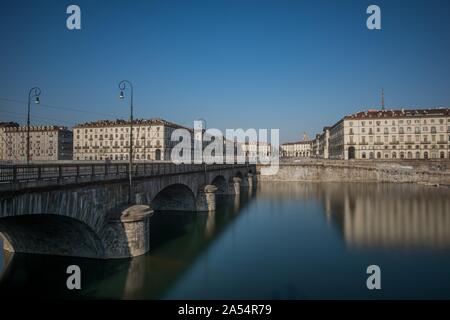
(293, 65)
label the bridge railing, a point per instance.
(45, 172)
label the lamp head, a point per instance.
(121, 94)
(37, 101)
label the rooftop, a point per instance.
(297, 142)
(9, 124)
(398, 113)
(121, 122)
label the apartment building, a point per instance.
(110, 140)
(298, 149)
(392, 134)
(47, 143)
(3, 144)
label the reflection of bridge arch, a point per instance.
(175, 197)
(50, 234)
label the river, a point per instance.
(284, 240)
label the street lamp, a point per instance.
(33, 93)
(122, 86)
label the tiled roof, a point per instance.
(297, 142)
(121, 122)
(399, 113)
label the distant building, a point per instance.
(47, 143)
(110, 140)
(254, 150)
(3, 144)
(322, 144)
(392, 134)
(299, 149)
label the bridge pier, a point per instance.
(126, 233)
(234, 186)
(247, 181)
(206, 198)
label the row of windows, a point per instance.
(123, 157)
(401, 139)
(402, 130)
(126, 129)
(404, 155)
(117, 143)
(111, 136)
(409, 121)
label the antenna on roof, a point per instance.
(382, 98)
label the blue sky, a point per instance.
(293, 65)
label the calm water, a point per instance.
(284, 241)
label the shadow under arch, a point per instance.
(175, 197)
(221, 184)
(50, 234)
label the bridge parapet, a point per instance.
(18, 177)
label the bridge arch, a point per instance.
(175, 197)
(221, 184)
(50, 234)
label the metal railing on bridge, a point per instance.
(108, 171)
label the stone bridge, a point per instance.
(83, 209)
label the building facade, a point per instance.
(323, 144)
(3, 144)
(47, 143)
(110, 140)
(254, 150)
(392, 134)
(299, 149)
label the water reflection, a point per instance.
(287, 240)
(177, 238)
(377, 215)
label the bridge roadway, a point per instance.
(82, 209)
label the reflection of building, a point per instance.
(375, 215)
(386, 220)
(391, 134)
(102, 140)
(46, 143)
(298, 149)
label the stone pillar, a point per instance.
(127, 233)
(235, 186)
(206, 198)
(249, 180)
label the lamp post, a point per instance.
(33, 93)
(122, 86)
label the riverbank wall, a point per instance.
(433, 173)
